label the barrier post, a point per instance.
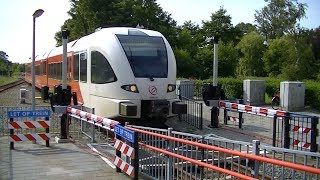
(240, 120)
(314, 134)
(118, 153)
(274, 130)
(170, 159)
(286, 135)
(47, 131)
(11, 133)
(63, 126)
(202, 156)
(136, 156)
(201, 116)
(255, 151)
(225, 116)
(93, 128)
(214, 117)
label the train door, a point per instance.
(80, 74)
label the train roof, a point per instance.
(91, 38)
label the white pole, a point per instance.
(33, 63)
(215, 62)
(36, 14)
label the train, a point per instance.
(121, 72)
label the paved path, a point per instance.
(59, 161)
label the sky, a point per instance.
(16, 20)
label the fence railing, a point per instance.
(167, 154)
(194, 115)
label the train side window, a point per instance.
(37, 70)
(44, 68)
(59, 71)
(50, 70)
(83, 67)
(101, 71)
(76, 67)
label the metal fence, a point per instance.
(161, 166)
(287, 129)
(296, 131)
(194, 114)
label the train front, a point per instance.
(154, 69)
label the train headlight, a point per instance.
(171, 87)
(130, 88)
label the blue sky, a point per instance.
(16, 19)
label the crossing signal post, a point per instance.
(212, 93)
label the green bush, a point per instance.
(312, 96)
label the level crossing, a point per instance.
(165, 154)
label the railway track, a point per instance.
(10, 85)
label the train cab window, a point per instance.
(101, 71)
(83, 67)
(147, 55)
(76, 67)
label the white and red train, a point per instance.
(121, 72)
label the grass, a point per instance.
(6, 79)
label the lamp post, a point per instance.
(36, 14)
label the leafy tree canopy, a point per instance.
(219, 26)
(279, 17)
(251, 47)
(88, 15)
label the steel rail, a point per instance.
(10, 85)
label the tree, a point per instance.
(4, 63)
(219, 26)
(242, 29)
(203, 59)
(189, 37)
(279, 17)
(275, 57)
(185, 64)
(227, 59)
(251, 47)
(290, 57)
(88, 15)
(3, 55)
(301, 64)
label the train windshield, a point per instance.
(147, 55)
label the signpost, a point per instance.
(121, 147)
(125, 133)
(35, 113)
(29, 125)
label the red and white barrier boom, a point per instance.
(251, 109)
(92, 118)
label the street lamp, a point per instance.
(36, 14)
